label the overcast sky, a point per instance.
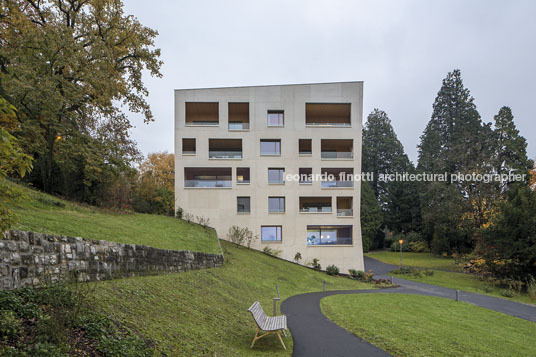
(400, 49)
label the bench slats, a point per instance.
(267, 323)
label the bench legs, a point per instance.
(257, 337)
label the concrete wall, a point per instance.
(28, 259)
(219, 204)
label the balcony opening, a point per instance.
(188, 146)
(202, 113)
(276, 118)
(225, 148)
(238, 116)
(329, 235)
(337, 177)
(328, 114)
(337, 148)
(207, 177)
(276, 204)
(315, 204)
(305, 147)
(345, 206)
(242, 175)
(243, 205)
(306, 175)
(271, 147)
(276, 176)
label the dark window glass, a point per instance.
(243, 204)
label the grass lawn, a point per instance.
(39, 212)
(422, 260)
(204, 312)
(465, 282)
(408, 325)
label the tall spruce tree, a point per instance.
(455, 140)
(371, 216)
(384, 154)
(510, 147)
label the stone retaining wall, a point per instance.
(28, 259)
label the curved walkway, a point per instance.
(316, 335)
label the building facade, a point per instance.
(280, 160)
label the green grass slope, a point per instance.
(409, 325)
(39, 212)
(204, 312)
(421, 260)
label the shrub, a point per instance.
(361, 275)
(419, 247)
(315, 264)
(203, 221)
(297, 257)
(10, 325)
(272, 252)
(179, 213)
(428, 272)
(241, 236)
(332, 270)
(531, 288)
(188, 217)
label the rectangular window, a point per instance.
(276, 176)
(188, 146)
(276, 204)
(243, 204)
(306, 174)
(238, 116)
(329, 235)
(305, 147)
(271, 234)
(242, 175)
(270, 146)
(276, 118)
(202, 113)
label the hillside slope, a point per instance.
(204, 312)
(39, 212)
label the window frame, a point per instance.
(278, 234)
(269, 141)
(282, 181)
(248, 204)
(280, 199)
(278, 112)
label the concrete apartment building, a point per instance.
(234, 150)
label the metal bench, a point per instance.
(267, 324)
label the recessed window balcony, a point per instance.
(202, 114)
(207, 177)
(315, 204)
(337, 178)
(334, 149)
(329, 235)
(345, 207)
(328, 114)
(238, 116)
(225, 148)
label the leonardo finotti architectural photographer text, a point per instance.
(406, 176)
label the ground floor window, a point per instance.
(271, 234)
(326, 235)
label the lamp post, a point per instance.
(401, 241)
